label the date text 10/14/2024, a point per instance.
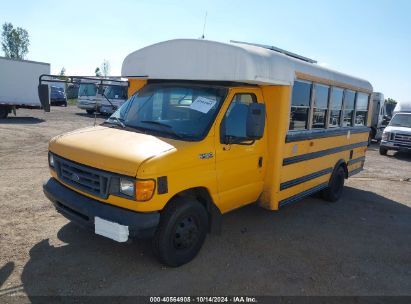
(203, 299)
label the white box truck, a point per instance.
(19, 81)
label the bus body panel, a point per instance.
(135, 85)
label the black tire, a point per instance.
(383, 151)
(181, 233)
(336, 185)
(371, 136)
(4, 111)
(64, 104)
(90, 112)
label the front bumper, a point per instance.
(87, 106)
(107, 109)
(393, 145)
(82, 210)
(58, 100)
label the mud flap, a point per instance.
(44, 96)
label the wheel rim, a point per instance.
(186, 233)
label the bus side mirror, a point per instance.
(255, 121)
(44, 96)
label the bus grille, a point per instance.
(86, 179)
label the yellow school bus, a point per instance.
(209, 127)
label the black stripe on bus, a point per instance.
(302, 195)
(356, 160)
(304, 179)
(355, 171)
(293, 136)
(307, 156)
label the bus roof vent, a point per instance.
(276, 49)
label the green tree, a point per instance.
(14, 41)
(390, 101)
(97, 72)
(62, 74)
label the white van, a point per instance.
(113, 98)
(89, 97)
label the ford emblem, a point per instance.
(75, 177)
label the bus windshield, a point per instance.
(180, 111)
(116, 92)
(401, 120)
(87, 89)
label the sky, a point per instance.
(368, 39)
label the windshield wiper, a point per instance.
(158, 123)
(118, 120)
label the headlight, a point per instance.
(386, 135)
(51, 160)
(127, 187)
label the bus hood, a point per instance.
(108, 148)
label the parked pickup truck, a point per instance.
(397, 135)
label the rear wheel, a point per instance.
(90, 112)
(335, 187)
(181, 232)
(383, 151)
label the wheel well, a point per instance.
(343, 164)
(202, 195)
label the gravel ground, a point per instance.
(358, 246)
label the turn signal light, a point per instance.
(145, 189)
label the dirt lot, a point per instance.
(358, 246)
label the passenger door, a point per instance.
(239, 165)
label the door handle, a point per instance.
(260, 162)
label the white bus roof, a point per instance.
(196, 59)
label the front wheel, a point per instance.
(383, 151)
(336, 185)
(90, 112)
(181, 232)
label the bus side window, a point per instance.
(349, 100)
(300, 105)
(361, 107)
(320, 106)
(335, 107)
